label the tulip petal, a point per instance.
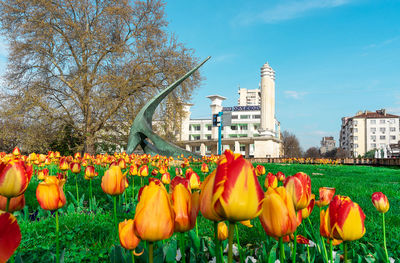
(10, 235)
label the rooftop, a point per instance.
(374, 115)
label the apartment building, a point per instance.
(368, 131)
(327, 144)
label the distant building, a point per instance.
(368, 131)
(327, 144)
(249, 97)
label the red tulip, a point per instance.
(10, 235)
(380, 201)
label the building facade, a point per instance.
(327, 144)
(254, 131)
(368, 131)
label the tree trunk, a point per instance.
(90, 144)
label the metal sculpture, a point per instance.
(141, 129)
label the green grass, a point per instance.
(90, 237)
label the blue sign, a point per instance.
(241, 108)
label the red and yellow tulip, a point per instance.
(325, 196)
(298, 187)
(50, 193)
(14, 178)
(380, 201)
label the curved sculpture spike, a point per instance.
(141, 127)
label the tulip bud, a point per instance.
(222, 231)
(204, 168)
(114, 182)
(166, 178)
(281, 176)
(127, 236)
(380, 201)
(194, 180)
(143, 171)
(50, 193)
(90, 172)
(16, 152)
(63, 164)
(298, 187)
(271, 181)
(75, 167)
(260, 170)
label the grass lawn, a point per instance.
(90, 237)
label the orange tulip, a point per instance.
(271, 181)
(298, 187)
(127, 236)
(50, 193)
(222, 231)
(186, 207)
(325, 196)
(10, 235)
(114, 182)
(380, 201)
(90, 172)
(14, 178)
(154, 216)
(206, 192)
(346, 219)
(278, 216)
(260, 170)
(306, 212)
(16, 203)
(122, 163)
(237, 194)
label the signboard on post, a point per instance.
(226, 118)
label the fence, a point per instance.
(345, 161)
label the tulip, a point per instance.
(278, 216)
(10, 235)
(154, 172)
(16, 203)
(133, 170)
(194, 180)
(305, 212)
(222, 231)
(186, 208)
(122, 163)
(75, 167)
(43, 173)
(298, 187)
(206, 191)
(271, 181)
(178, 171)
(14, 178)
(381, 203)
(325, 196)
(127, 236)
(50, 193)
(346, 219)
(260, 170)
(113, 181)
(90, 172)
(63, 164)
(166, 178)
(281, 176)
(143, 171)
(237, 194)
(16, 152)
(204, 169)
(154, 216)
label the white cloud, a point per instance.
(287, 10)
(3, 48)
(224, 57)
(294, 94)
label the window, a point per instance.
(382, 129)
(373, 122)
(234, 117)
(373, 129)
(373, 137)
(244, 116)
(258, 116)
(381, 121)
(355, 138)
(355, 145)
(392, 137)
(209, 127)
(197, 148)
(355, 122)
(355, 130)
(242, 148)
(243, 127)
(195, 137)
(234, 128)
(232, 135)
(382, 137)
(392, 129)
(194, 127)
(255, 127)
(208, 136)
(373, 145)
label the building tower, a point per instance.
(267, 125)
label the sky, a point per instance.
(332, 58)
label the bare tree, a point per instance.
(89, 64)
(312, 152)
(291, 145)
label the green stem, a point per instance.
(115, 214)
(308, 254)
(90, 193)
(238, 242)
(182, 246)
(133, 189)
(282, 250)
(345, 251)
(150, 252)
(217, 243)
(231, 231)
(197, 229)
(294, 245)
(133, 257)
(141, 181)
(323, 246)
(384, 237)
(77, 191)
(331, 250)
(8, 204)
(57, 240)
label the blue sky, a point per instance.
(331, 57)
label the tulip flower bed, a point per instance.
(88, 230)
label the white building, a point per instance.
(368, 131)
(254, 130)
(327, 144)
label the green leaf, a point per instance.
(170, 250)
(195, 240)
(117, 255)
